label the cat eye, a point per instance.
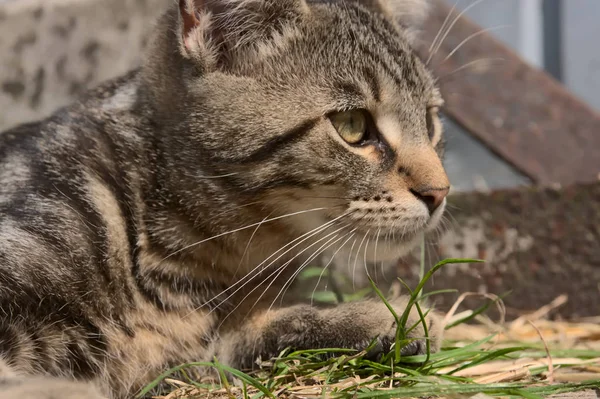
(434, 125)
(351, 126)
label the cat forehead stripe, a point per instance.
(276, 144)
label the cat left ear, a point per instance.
(409, 14)
(190, 19)
(198, 37)
(210, 28)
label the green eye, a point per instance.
(351, 126)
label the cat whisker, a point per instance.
(452, 206)
(427, 255)
(472, 36)
(435, 236)
(217, 177)
(365, 258)
(230, 210)
(352, 234)
(449, 29)
(439, 33)
(349, 258)
(445, 223)
(350, 255)
(308, 260)
(315, 254)
(376, 242)
(375, 255)
(277, 272)
(325, 197)
(489, 60)
(356, 257)
(249, 277)
(248, 245)
(241, 229)
(300, 269)
(452, 220)
(381, 263)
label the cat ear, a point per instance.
(409, 14)
(210, 28)
(199, 39)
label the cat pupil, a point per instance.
(351, 126)
(356, 128)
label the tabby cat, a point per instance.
(161, 219)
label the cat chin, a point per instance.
(388, 248)
(392, 251)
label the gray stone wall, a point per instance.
(52, 50)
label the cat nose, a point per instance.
(432, 197)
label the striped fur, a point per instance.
(134, 223)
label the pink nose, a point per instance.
(432, 197)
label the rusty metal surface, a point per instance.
(537, 243)
(518, 111)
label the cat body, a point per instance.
(161, 219)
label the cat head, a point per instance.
(319, 108)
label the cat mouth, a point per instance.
(396, 231)
(393, 225)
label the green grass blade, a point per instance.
(248, 380)
(438, 292)
(487, 357)
(156, 382)
(415, 293)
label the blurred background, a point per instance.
(559, 36)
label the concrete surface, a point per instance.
(52, 50)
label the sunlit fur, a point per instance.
(161, 219)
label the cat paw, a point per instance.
(371, 321)
(354, 325)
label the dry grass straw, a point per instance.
(554, 359)
(535, 328)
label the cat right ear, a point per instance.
(409, 14)
(199, 40)
(211, 30)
